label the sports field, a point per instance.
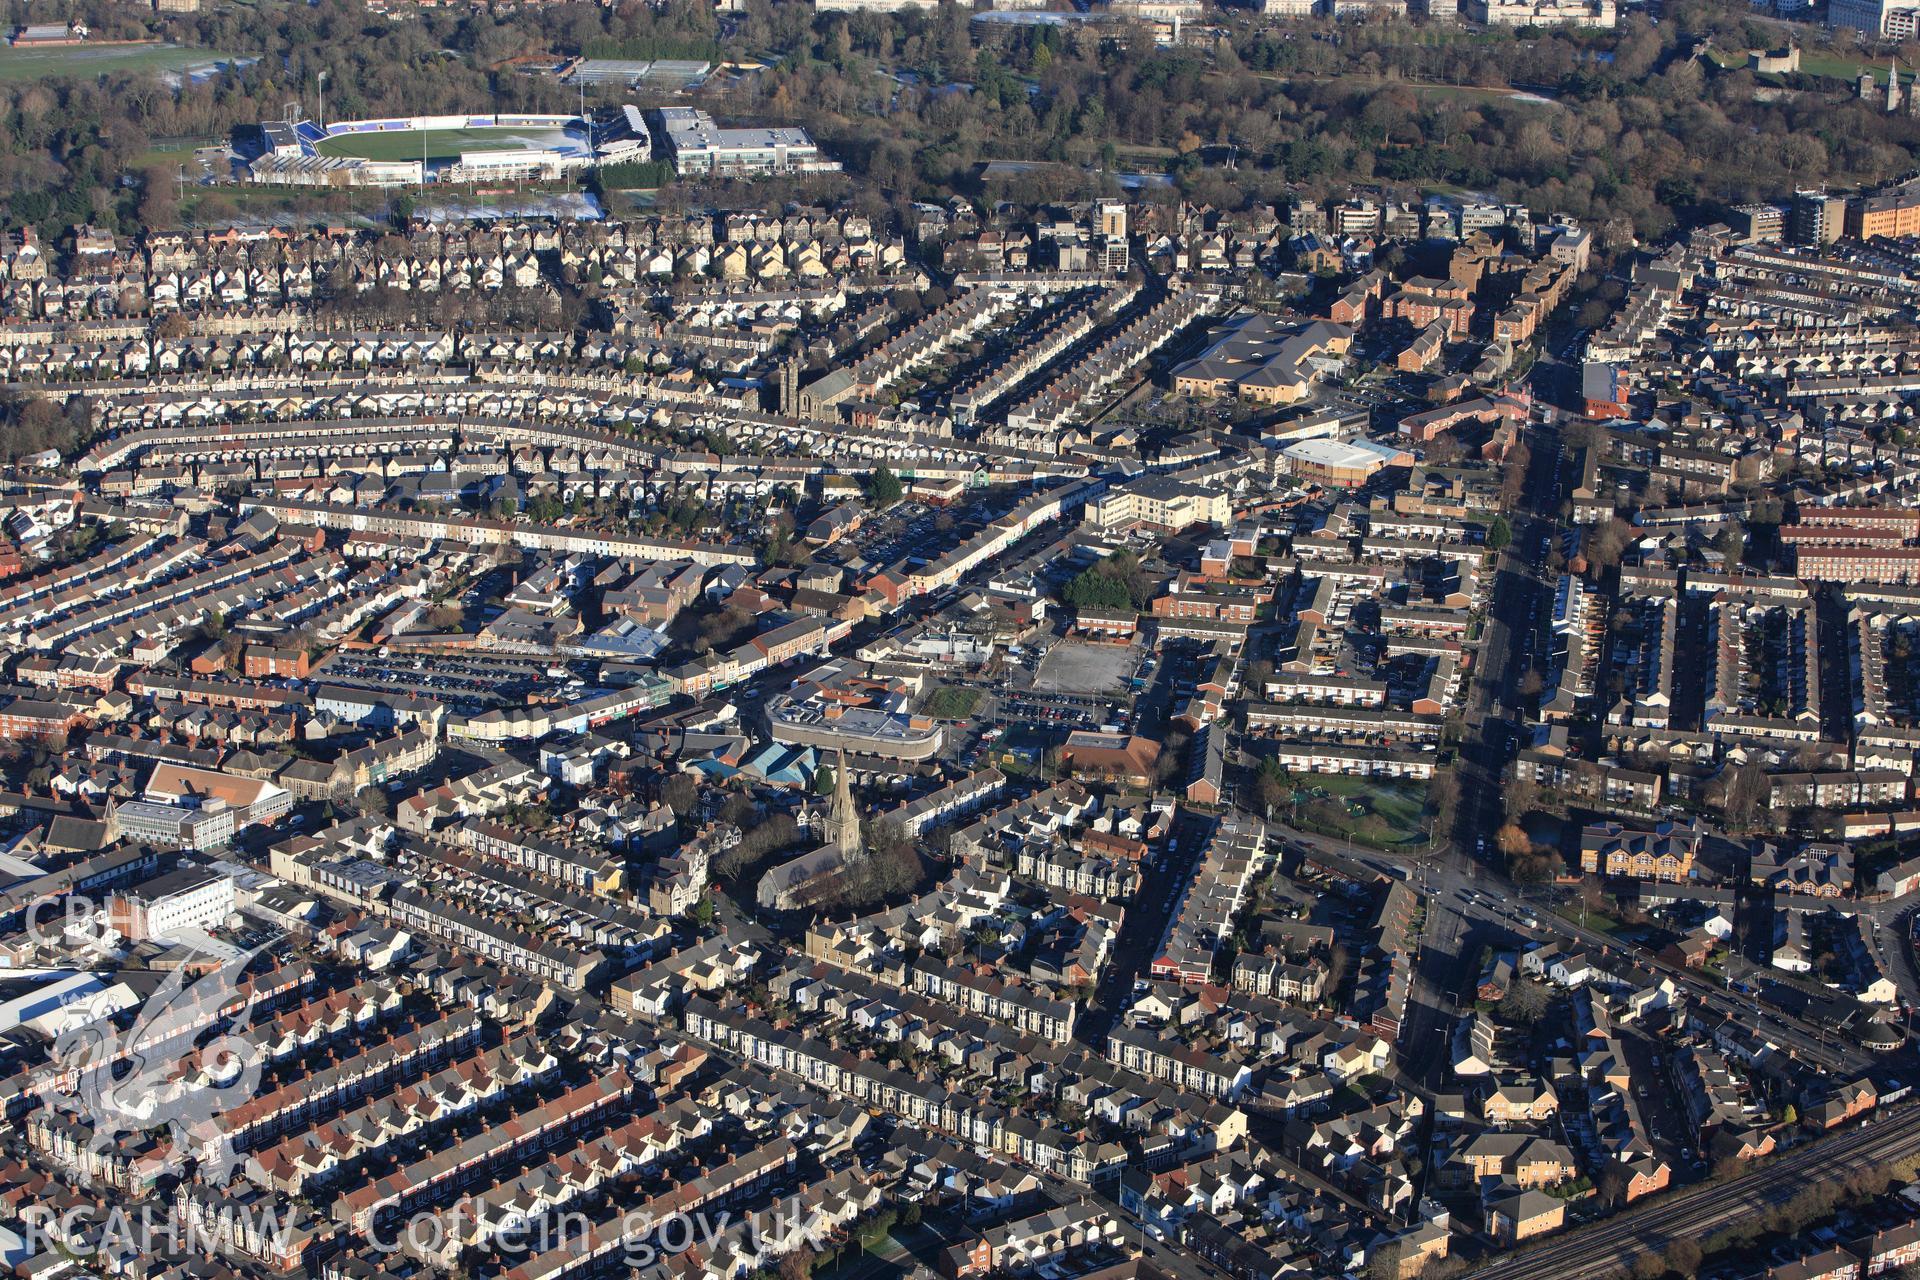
(444, 144)
(89, 61)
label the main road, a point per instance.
(1498, 911)
(1519, 596)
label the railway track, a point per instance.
(1605, 1248)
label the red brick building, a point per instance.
(31, 720)
(263, 661)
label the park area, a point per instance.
(1378, 812)
(1826, 63)
(443, 144)
(953, 702)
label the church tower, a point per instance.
(790, 388)
(1893, 87)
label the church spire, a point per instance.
(843, 819)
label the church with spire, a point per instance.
(1894, 95)
(843, 819)
(794, 883)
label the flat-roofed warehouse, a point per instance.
(1341, 464)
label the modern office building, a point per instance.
(698, 146)
(189, 898)
(1816, 217)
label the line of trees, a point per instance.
(1626, 128)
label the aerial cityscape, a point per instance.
(894, 640)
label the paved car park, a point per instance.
(1081, 667)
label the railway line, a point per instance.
(1606, 1248)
